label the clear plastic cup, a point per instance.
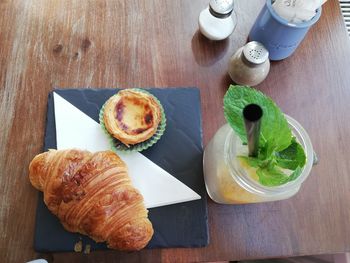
(227, 182)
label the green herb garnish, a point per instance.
(278, 149)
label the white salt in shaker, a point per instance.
(250, 64)
(218, 20)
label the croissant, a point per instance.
(91, 193)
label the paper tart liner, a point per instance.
(117, 145)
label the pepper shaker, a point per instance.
(250, 64)
(218, 20)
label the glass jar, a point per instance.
(250, 64)
(227, 182)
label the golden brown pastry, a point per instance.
(132, 116)
(92, 194)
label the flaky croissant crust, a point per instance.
(92, 194)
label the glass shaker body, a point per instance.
(218, 20)
(244, 70)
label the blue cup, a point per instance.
(280, 37)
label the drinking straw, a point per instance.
(252, 114)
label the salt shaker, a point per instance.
(218, 20)
(250, 64)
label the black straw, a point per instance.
(252, 114)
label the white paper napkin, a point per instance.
(74, 129)
(297, 11)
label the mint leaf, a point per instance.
(271, 176)
(253, 162)
(274, 176)
(277, 148)
(295, 174)
(275, 131)
(291, 157)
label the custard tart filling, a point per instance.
(132, 116)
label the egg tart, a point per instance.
(132, 116)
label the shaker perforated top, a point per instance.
(221, 8)
(255, 52)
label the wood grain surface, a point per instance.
(137, 43)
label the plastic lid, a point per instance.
(221, 8)
(255, 52)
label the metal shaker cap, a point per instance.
(255, 52)
(221, 8)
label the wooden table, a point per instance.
(105, 43)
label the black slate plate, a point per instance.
(179, 151)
